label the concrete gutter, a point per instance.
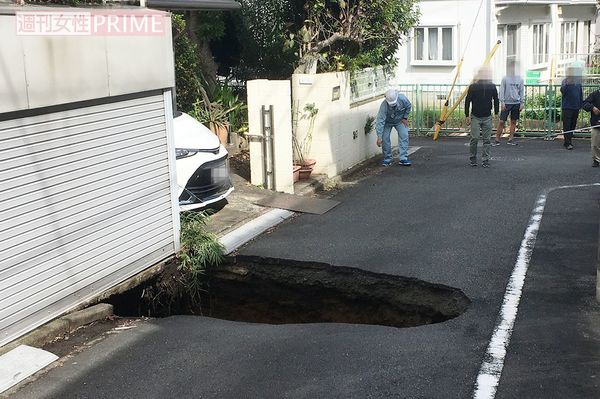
(63, 325)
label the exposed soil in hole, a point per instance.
(280, 291)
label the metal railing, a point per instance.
(541, 115)
(589, 61)
(369, 82)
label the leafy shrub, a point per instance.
(180, 289)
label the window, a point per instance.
(540, 43)
(568, 36)
(587, 37)
(433, 45)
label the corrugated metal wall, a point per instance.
(85, 202)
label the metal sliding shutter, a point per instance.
(85, 202)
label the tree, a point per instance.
(277, 37)
(348, 34)
(189, 82)
(263, 30)
(201, 28)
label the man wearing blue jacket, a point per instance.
(572, 100)
(393, 113)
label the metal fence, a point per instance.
(541, 115)
(369, 82)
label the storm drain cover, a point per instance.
(297, 203)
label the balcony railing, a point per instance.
(590, 63)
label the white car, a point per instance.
(202, 164)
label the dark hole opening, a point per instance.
(281, 291)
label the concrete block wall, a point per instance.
(338, 139)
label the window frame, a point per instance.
(545, 56)
(563, 44)
(440, 61)
(588, 36)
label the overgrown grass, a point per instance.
(181, 289)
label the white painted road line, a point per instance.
(20, 363)
(493, 361)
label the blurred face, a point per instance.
(574, 74)
(512, 68)
(485, 73)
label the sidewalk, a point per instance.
(240, 208)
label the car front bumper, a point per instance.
(208, 183)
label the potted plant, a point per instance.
(237, 114)
(302, 145)
(296, 172)
(214, 116)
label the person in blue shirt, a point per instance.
(572, 100)
(393, 113)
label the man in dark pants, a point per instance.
(592, 105)
(482, 94)
(512, 97)
(572, 99)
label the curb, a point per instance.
(240, 236)
(65, 324)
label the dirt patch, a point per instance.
(240, 164)
(84, 336)
(281, 291)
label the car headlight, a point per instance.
(184, 153)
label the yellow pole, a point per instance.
(445, 106)
(449, 112)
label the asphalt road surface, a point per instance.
(439, 220)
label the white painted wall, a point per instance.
(338, 140)
(41, 71)
(278, 94)
(88, 195)
(461, 14)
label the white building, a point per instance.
(542, 35)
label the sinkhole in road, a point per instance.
(282, 291)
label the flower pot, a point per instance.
(297, 173)
(222, 132)
(305, 172)
(309, 163)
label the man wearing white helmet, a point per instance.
(393, 113)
